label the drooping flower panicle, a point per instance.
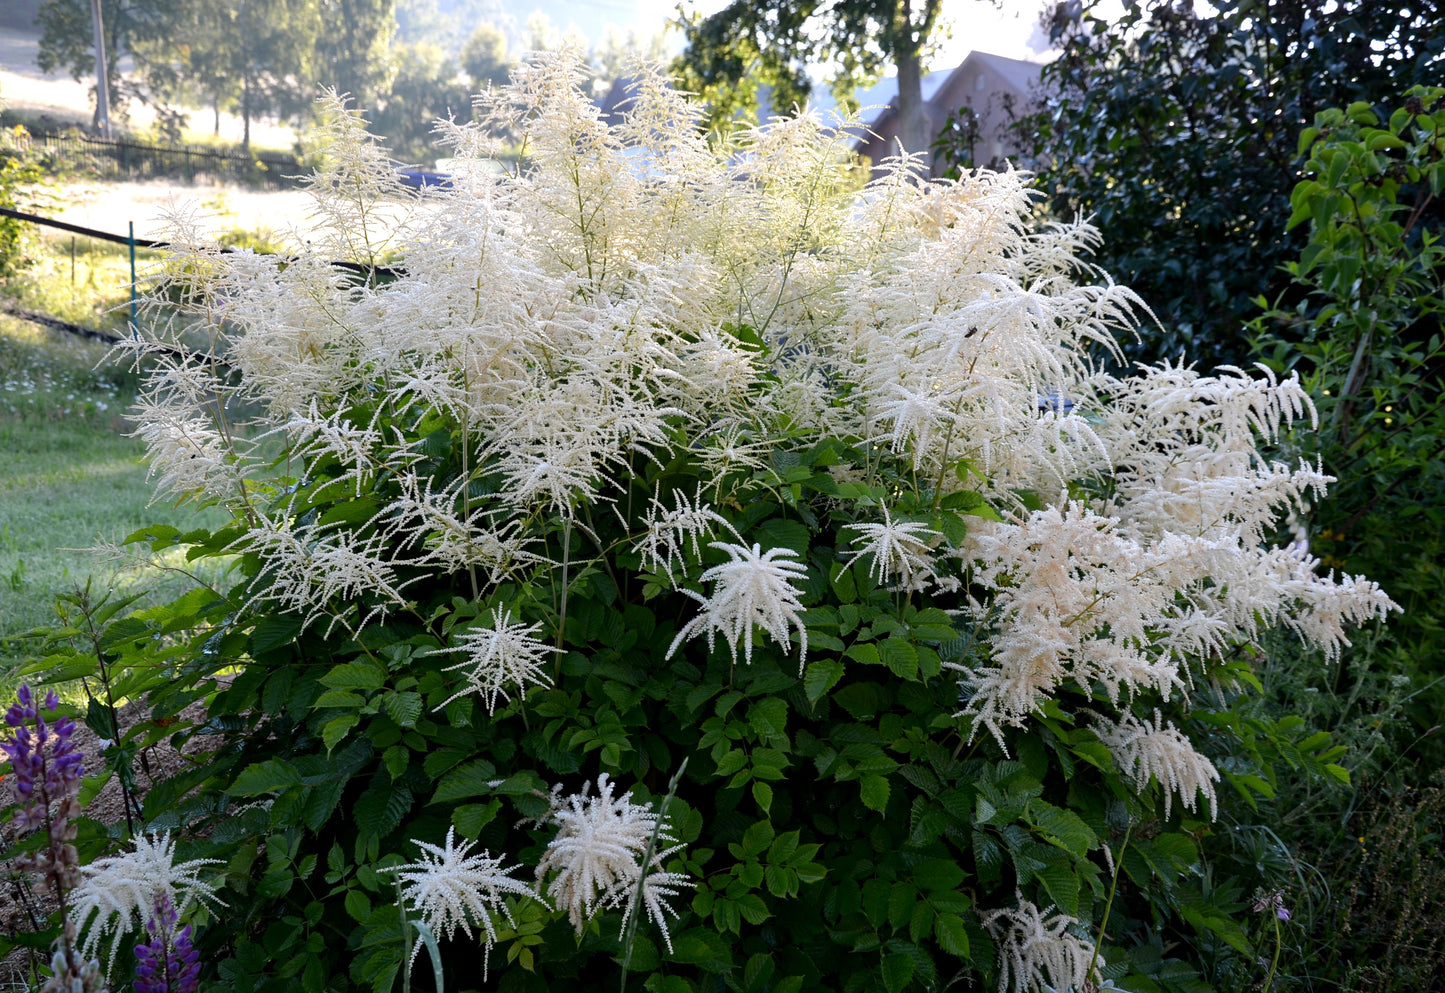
(452, 889)
(596, 858)
(752, 589)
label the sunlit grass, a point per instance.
(72, 479)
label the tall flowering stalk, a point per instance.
(46, 769)
(168, 962)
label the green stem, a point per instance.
(1108, 904)
(1278, 943)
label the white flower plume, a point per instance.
(1032, 946)
(897, 548)
(502, 655)
(451, 889)
(670, 532)
(595, 860)
(118, 893)
(1160, 752)
(753, 588)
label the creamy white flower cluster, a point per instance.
(118, 893)
(608, 852)
(1037, 952)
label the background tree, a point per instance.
(1176, 132)
(352, 47)
(746, 44)
(141, 31)
(426, 85)
(484, 56)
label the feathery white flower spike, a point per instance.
(1162, 752)
(451, 889)
(1031, 945)
(670, 532)
(898, 548)
(502, 655)
(754, 588)
(118, 892)
(595, 860)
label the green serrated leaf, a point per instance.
(404, 708)
(951, 935)
(874, 791)
(820, 677)
(472, 779)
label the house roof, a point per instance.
(1021, 74)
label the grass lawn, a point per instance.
(71, 479)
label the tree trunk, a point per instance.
(912, 115)
(246, 113)
(914, 132)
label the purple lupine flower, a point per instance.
(168, 963)
(46, 768)
(1272, 901)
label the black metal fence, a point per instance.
(120, 159)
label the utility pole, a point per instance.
(102, 84)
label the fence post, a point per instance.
(134, 326)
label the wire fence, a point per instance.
(121, 159)
(130, 240)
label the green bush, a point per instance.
(689, 564)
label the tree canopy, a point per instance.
(1176, 132)
(745, 44)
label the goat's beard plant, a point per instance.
(657, 450)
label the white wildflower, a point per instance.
(188, 457)
(899, 549)
(595, 860)
(670, 531)
(118, 893)
(312, 568)
(502, 655)
(752, 588)
(1160, 752)
(451, 889)
(1031, 946)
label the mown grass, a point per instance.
(72, 479)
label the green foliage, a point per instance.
(1175, 132)
(19, 174)
(425, 87)
(1368, 335)
(841, 833)
(484, 56)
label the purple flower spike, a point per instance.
(168, 963)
